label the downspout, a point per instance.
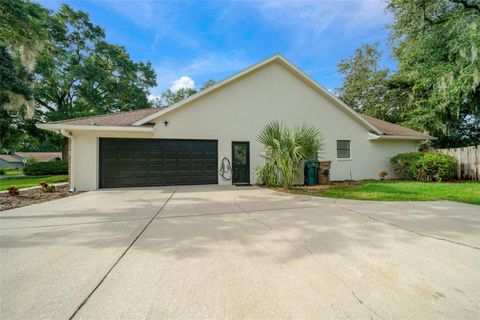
(65, 133)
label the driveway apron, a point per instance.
(53, 254)
(241, 253)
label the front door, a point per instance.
(241, 162)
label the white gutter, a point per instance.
(65, 133)
(61, 126)
(372, 136)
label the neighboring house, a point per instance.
(8, 161)
(187, 142)
(18, 159)
(39, 156)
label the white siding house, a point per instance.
(188, 134)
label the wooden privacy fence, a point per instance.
(468, 161)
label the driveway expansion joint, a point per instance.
(313, 256)
(423, 235)
(74, 224)
(121, 256)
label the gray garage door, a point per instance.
(157, 162)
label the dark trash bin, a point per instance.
(310, 172)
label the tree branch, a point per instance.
(432, 21)
(44, 104)
(468, 5)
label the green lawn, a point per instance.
(13, 172)
(468, 192)
(24, 182)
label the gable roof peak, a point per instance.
(276, 57)
(141, 119)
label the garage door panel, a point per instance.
(142, 173)
(119, 182)
(197, 167)
(141, 162)
(170, 155)
(141, 156)
(156, 169)
(156, 162)
(125, 156)
(140, 181)
(156, 155)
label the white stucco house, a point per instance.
(186, 143)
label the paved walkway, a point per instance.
(239, 253)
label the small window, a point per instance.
(343, 149)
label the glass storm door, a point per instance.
(241, 162)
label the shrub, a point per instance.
(424, 147)
(428, 166)
(49, 188)
(268, 175)
(30, 160)
(285, 149)
(45, 187)
(2, 172)
(13, 191)
(434, 166)
(402, 164)
(382, 174)
(46, 168)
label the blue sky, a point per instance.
(189, 42)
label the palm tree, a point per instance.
(285, 149)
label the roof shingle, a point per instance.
(121, 119)
(40, 156)
(9, 158)
(391, 129)
(116, 119)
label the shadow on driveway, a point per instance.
(216, 252)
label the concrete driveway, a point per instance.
(212, 252)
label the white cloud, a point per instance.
(215, 62)
(312, 29)
(318, 15)
(158, 16)
(153, 97)
(182, 82)
(204, 65)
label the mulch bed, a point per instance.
(320, 187)
(32, 196)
